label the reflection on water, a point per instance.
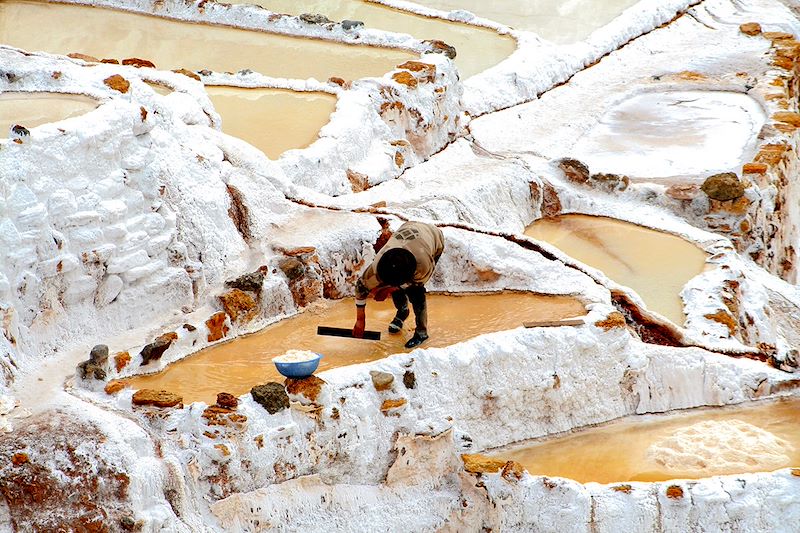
(760, 437)
(270, 119)
(34, 109)
(237, 366)
(477, 48)
(170, 44)
(558, 21)
(655, 264)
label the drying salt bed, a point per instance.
(171, 44)
(674, 135)
(764, 436)
(554, 20)
(477, 48)
(655, 264)
(237, 366)
(34, 109)
(270, 119)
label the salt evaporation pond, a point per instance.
(680, 134)
(171, 44)
(477, 48)
(558, 21)
(237, 366)
(758, 437)
(655, 264)
(34, 109)
(265, 117)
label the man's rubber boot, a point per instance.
(416, 340)
(397, 322)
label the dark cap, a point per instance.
(396, 267)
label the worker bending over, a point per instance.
(401, 268)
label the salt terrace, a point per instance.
(190, 188)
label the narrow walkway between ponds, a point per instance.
(237, 366)
(477, 48)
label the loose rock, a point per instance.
(156, 349)
(381, 380)
(248, 282)
(723, 187)
(99, 354)
(350, 24)
(409, 379)
(314, 18)
(574, 170)
(157, 398)
(226, 400)
(271, 396)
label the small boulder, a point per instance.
(248, 282)
(441, 47)
(156, 349)
(292, 267)
(99, 354)
(157, 398)
(348, 25)
(574, 170)
(381, 380)
(750, 28)
(314, 18)
(309, 388)
(118, 83)
(271, 396)
(476, 463)
(239, 305)
(723, 187)
(409, 380)
(217, 328)
(90, 370)
(226, 400)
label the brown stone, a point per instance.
(512, 471)
(121, 360)
(785, 128)
(84, 57)
(217, 328)
(405, 78)
(441, 47)
(110, 61)
(381, 380)
(399, 160)
(156, 349)
(338, 81)
(143, 113)
(551, 203)
(690, 75)
(476, 463)
(239, 305)
(226, 400)
(55, 75)
(750, 28)
(737, 207)
(427, 70)
(788, 117)
(754, 168)
(19, 459)
(683, 191)
(674, 492)
(138, 63)
(114, 386)
(783, 62)
(724, 318)
(574, 170)
(609, 182)
(626, 489)
(796, 472)
(271, 396)
(724, 186)
(118, 83)
(187, 73)
(613, 320)
(409, 379)
(223, 449)
(298, 251)
(157, 398)
(388, 405)
(358, 182)
(778, 36)
(309, 387)
(771, 154)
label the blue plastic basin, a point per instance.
(298, 370)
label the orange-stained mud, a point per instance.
(477, 48)
(237, 366)
(270, 119)
(171, 44)
(627, 449)
(655, 264)
(34, 109)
